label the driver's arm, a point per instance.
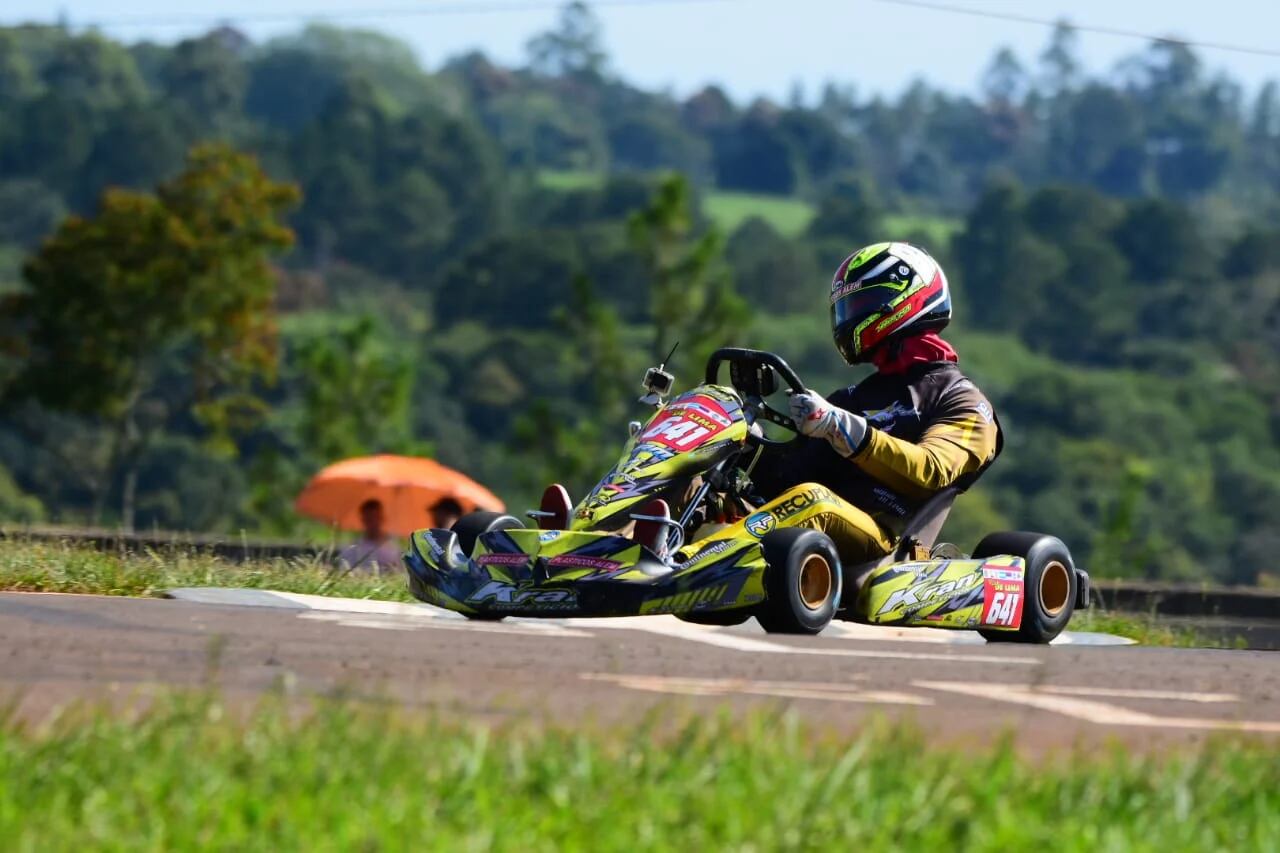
(960, 439)
(958, 443)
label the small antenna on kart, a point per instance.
(658, 382)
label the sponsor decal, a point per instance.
(502, 559)
(1001, 573)
(576, 561)
(760, 523)
(433, 547)
(844, 290)
(497, 592)
(684, 601)
(928, 590)
(889, 501)
(709, 409)
(706, 553)
(1002, 604)
(893, 318)
(799, 502)
(886, 419)
(549, 536)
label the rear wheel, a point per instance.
(802, 582)
(1049, 586)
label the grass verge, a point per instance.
(190, 775)
(1149, 629)
(62, 567)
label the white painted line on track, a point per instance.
(749, 687)
(389, 622)
(881, 633)
(1124, 693)
(427, 616)
(728, 640)
(1091, 711)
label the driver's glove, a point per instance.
(817, 418)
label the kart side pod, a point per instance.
(976, 593)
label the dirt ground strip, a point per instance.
(63, 649)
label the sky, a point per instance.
(750, 47)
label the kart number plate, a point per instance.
(691, 425)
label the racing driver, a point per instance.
(876, 451)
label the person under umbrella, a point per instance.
(376, 550)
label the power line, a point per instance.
(1109, 31)
(474, 8)
(507, 6)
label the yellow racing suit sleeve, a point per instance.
(960, 440)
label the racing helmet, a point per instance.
(883, 292)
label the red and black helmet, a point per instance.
(883, 292)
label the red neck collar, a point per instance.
(898, 356)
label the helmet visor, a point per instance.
(862, 303)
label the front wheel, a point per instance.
(802, 582)
(1049, 586)
(473, 525)
(470, 528)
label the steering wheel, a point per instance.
(754, 373)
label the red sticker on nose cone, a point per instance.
(688, 423)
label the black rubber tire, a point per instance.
(784, 611)
(473, 525)
(717, 617)
(1040, 551)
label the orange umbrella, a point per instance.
(407, 486)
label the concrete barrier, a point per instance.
(1188, 600)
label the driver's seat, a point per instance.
(916, 540)
(921, 532)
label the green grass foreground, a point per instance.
(28, 566)
(190, 775)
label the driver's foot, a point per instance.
(557, 506)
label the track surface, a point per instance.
(60, 649)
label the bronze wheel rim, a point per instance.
(1055, 588)
(816, 581)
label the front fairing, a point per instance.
(687, 436)
(577, 573)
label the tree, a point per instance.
(1060, 61)
(28, 211)
(1005, 80)
(156, 304)
(847, 212)
(690, 296)
(206, 82)
(573, 49)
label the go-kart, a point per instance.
(645, 540)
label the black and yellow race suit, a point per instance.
(927, 428)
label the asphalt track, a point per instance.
(62, 650)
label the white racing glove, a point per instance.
(817, 418)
